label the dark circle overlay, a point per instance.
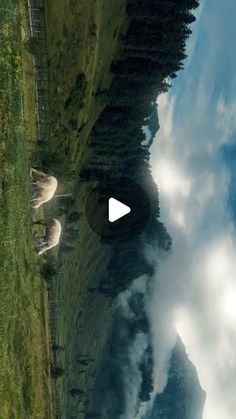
(129, 193)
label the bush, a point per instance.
(76, 391)
(57, 348)
(73, 217)
(56, 372)
(77, 93)
(48, 271)
(34, 46)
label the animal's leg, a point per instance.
(36, 175)
(43, 249)
(35, 202)
(40, 252)
(34, 194)
(39, 242)
(40, 183)
(33, 211)
(39, 238)
(41, 222)
(35, 188)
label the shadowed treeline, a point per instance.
(150, 55)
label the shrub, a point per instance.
(48, 271)
(56, 372)
(77, 93)
(73, 217)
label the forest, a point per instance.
(150, 54)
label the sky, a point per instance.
(198, 118)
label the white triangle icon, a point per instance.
(117, 210)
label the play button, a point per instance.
(118, 209)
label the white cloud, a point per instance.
(130, 360)
(226, 121)
(167, 106)
(170, 180)
(132, 375)
(196, 285)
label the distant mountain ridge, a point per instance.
(183, 397)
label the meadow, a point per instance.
(25, 389)
(24, 380)
(82, 42)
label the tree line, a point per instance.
(151, 53)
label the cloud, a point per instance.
(196, 285)
(167, 105)
(128, 349)
(132, 375)
(226, 116)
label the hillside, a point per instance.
(183, 396)
(105, 75)
(124, 386)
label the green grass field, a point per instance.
(24, 383)
(82, 39)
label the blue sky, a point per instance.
(198, 119)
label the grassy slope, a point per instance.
(24, 380)
(82, 37)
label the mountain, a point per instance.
(124, 384)
(183, 397)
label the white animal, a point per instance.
(51, 237)
(44, 187)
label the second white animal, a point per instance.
(51, 237)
